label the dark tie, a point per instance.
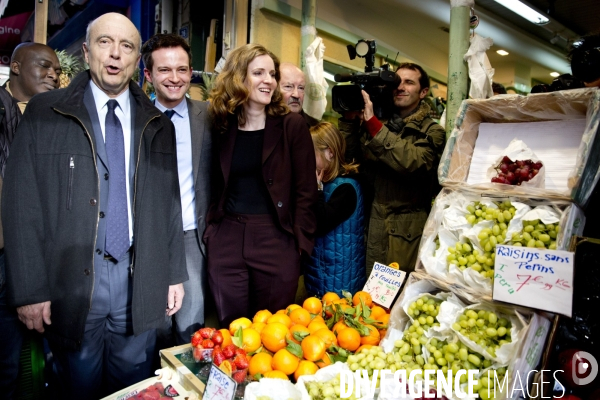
(169, 113)
(117, 221)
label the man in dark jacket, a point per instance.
(34, 68)
(400, 158)
(292, 85)
(92, 219)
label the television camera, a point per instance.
(377, 82)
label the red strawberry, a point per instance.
(208, 344)
(229, 350)
(217, 337)
(196, 339)
(240, 351)
(218, 358)
(240, 375)
(207, 333)
(241, 361)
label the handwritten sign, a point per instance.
(384, 283)
(535, 278)
(219, 386)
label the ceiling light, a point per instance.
(502, 52)
(554, 74)
(524, 11)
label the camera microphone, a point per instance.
(343, 77)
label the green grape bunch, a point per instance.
(484, 328)
(486, 385)
(478, 212)
(328, 390)
(453, 356)
(536, 234)
(464, 255)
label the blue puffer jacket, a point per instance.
(338, 259)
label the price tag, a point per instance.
(219, 386)
(384, 283)
(535, 278)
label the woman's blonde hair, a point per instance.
(229, 92)
(325, 135)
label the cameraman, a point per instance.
(400, 159)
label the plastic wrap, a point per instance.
(449, 211)
(561, 105)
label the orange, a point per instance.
(326, 361)
(276, 375)
(377, 311)
(239, 323)
(313, 348)
(327, 336)
(348, 339)
(226, 337)
(285, 362)
(297, 328)
(317, 318)
(291, 308)
(281, 318)
(300, 316)
(261, 316)
(385, 319)
(260, 364)
(341, 324)
(273, 336)
(329, 297)
(372, 338)
(313, 305)
(382, 333)
(365, 296)
(281, 312)
(251, 340)
(258, 326)
(305, 368)
(316, 325)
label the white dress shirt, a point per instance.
(185, 167)
(124, 115)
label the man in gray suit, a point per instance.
(168, 66)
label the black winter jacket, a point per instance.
(51, 211)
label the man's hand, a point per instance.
(175, 298)
(368, 110)
(35, 315)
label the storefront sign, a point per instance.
(535, 278)
(384, 284)
(219, 386)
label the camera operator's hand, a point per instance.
(368, 110)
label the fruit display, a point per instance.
(485, 328)
(301, 339)
(516, 172)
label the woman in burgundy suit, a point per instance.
(261, 220)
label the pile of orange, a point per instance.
(299, 340)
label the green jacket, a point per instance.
(400, 162)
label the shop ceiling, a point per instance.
(542, 48)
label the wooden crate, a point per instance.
(187, 379)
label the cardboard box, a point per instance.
(570, 105)
(572, 222)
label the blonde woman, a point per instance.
(338, 259)
(261, 219)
